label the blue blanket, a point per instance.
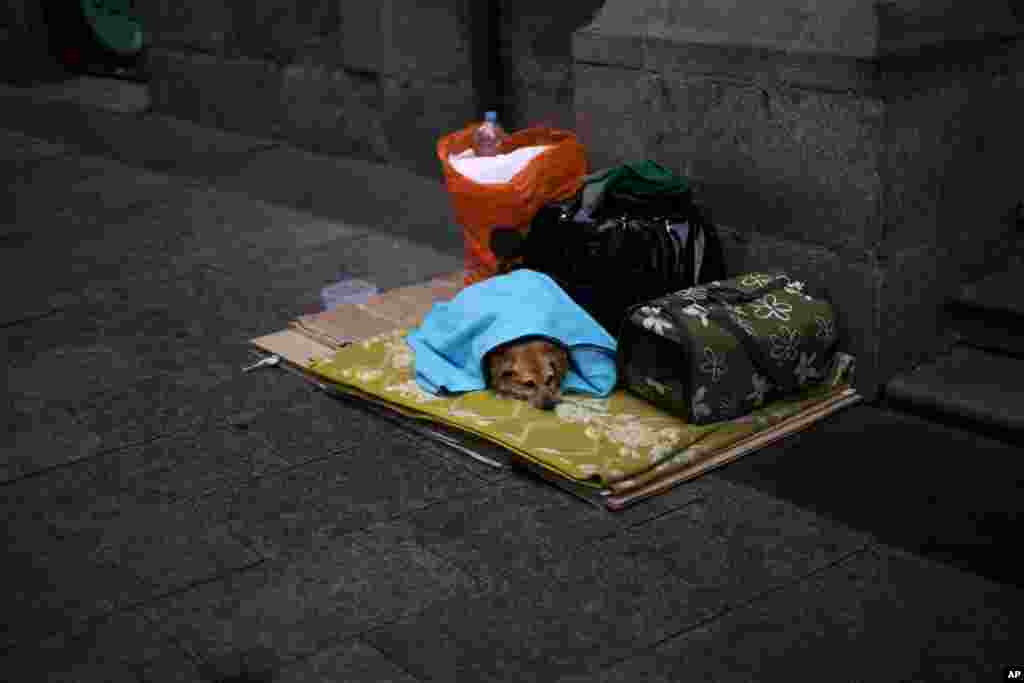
(455, 335)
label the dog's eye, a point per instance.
(508, 374)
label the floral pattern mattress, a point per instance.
(617, 443)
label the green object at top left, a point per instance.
(114, 25)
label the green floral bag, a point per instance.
(720, 350)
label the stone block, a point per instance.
(415, 114)
(329, 109)
(539, 91)
(278, 31)
(858, 29)
(240, 95)
(791, 163)
(888, 312)
(915, 284)
(852, 286)
(393, 119)
(535, 43)
(429, 39)
(198, 26)
(615, 113)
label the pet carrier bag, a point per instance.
(718, 351)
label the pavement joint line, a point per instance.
(93, 456)
(728, 608)
(305, 657)
(662, 515)
(30, 319)
(268, 146)
(89, 621)
(388, 658)
(185, 587)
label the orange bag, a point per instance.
(554, 174)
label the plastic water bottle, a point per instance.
(487, 138)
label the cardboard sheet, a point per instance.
(318, 335)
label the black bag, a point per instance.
(632, 249)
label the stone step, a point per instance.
(110, 93)
(969, 388)
(988, 314)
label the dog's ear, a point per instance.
(559, 356)
(497, 361)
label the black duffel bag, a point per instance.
(632, 234)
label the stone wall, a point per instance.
(375, 80)
(536, 65)
(863, 145)
(24, 48)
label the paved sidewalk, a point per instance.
(169, 518)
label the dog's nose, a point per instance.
(547, 403)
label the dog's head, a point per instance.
(529, 370)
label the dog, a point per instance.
(529, 370)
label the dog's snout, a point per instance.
(545, 401)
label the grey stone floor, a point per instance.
(168, 518)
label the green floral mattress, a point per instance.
(593, 441)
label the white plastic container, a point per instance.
(351, 291)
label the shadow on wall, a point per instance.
(536, 62)
(963, 96)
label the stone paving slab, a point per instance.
(395, 201)
(500, 533)
(136, 327)
(30, 199)
(968, 386)
(179, 147)
(280, 611)
(18, 148)
(66, 243)
(162, 471)
(295, 283)
(41, 434)
(57, 587)
(353, 660)
(112, 525)
(95, 193)
(282, 514)
(312, 424)
(75, 373)
(592, 605)
(390, 199)
(115, 649)
(163, 405)
(946, 493)
(840, 623)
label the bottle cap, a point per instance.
(491, 116)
